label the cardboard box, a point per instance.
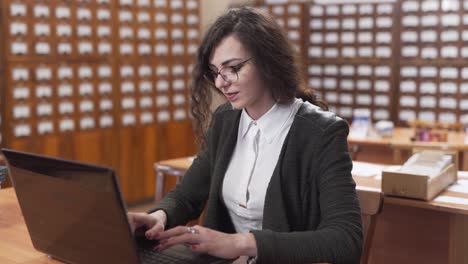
(416, 185)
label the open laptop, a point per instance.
(74, 213)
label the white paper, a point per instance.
(346, 99)
(144, 49)
(146, 118)
(451, 200)
(21, 111)
(409, 51)
(66, 108)
(178, 99)
(294, 9)
(428, 36)
(20, 93)
(192, 34)
(316, 10)
(85, 89)
(178, 70)
(146, 102)
(384, 9)
(191, 4)
(103, 31)
(382, 86)
(41, 11)
(144, 33)
(382, 71)
(64, 72)
(364, 70)
(64, 30)
(315, 24)
(348, 9)
(429, 53)
(383, 37)
(365, 51)
(177, 33)
(162, 71)
(162, 86)
(315, 70)
(450, 20)
(365, 37)
(448, 103)
(19, 48)
(332, 10)
(426, 116)
(43, 73)
(448, 88)
(348, 52)
(105, 88)
(428, 87)
(410, 21)
(103, 14)
(447, 117)
(449, 73)
(430, 6)
(42, 48)
(160, 18)
(125, 2)
(384, 22)
(427, 101)
(347, 37)
(407, 115)
(331, 70)
(449, 52)
(87, 123)
(409, 36)
(347, 70)
(331, 97)
(178, 85)
(106, 121)
(126, 49)
(125, 16)
(145, 87)
(176, 4)
(127, 87)
(43, 91)
(163, 116)
(17, 9)
(366, 22)
(464, 73)
(66, 125)
(20, 74)
(381, 100)
(45, 127)
(22, 130)
(348, 23)
(83, 14)
(192, 19)
(84, 31)
(128, 103)
(180, 114)
(18, 28)
(408, 86)
(161, 49)
(449, 36)
(44, 109)
(429, 20)
(86, 106)
(162, 101)
(363, 85)
(177, 49)
(346, 84)
(65, 90)
(104, 48)
(332, 24)
(428, 71)
(363, 99)
(85, 47)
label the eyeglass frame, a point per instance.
(235, 68)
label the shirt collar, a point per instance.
(270, 123)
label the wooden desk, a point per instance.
(395, 149)
(408, 231)
(15, 244)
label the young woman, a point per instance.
(274, 170)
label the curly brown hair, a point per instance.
(272, 54)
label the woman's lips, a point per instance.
(231, 96)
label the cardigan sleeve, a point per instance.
(338, 237)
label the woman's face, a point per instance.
(248, 90)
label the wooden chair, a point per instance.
(371, 206)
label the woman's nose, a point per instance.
(220, 83)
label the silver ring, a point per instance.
(192, 230)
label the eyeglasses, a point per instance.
(228, 73)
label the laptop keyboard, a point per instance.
(151, 256)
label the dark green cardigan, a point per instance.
(311, 211)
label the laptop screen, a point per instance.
(73, 211)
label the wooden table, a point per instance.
(395, 149)
(15, 244)
(408, 231)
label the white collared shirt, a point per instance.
(258, 146)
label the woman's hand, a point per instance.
(208, 241)
(153, 223)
